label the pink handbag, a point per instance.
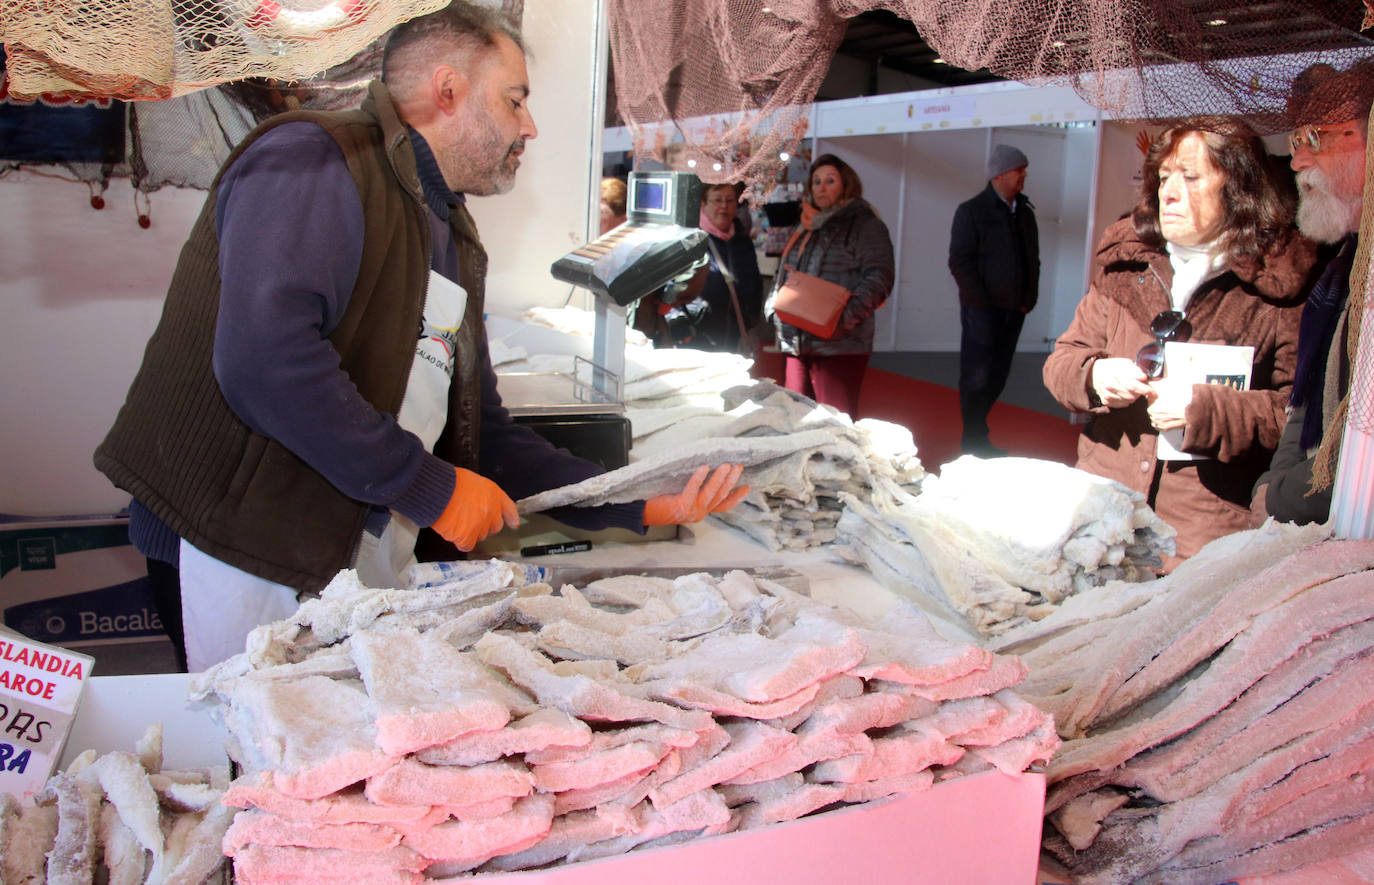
(810, 303)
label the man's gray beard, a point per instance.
(1323, 215)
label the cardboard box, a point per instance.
(75, 582)
(115, 711)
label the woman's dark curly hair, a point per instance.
(1258, 208)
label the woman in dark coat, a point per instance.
(1209, 255)
(841, 240)
(711, 322)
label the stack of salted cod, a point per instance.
(485, 724)
(1004, 541)
(1219, 722)
(118, 818)
(800, 459)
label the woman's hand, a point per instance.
(1118, 382)
(1170, 403)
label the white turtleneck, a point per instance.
(1193, 265)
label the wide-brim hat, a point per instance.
(1322, 94)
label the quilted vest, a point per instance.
(178, 448)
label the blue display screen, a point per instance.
(651, 195)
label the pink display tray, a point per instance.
(983, 828)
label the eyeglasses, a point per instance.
(1310, 137)
(722, 201)
(1168, 325)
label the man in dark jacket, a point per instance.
(319, 387)
(1329, 159)
(994, 254)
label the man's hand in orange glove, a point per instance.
(701, 497)
(478, 508)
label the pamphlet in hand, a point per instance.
(1202, 364)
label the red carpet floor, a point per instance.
(931, 413)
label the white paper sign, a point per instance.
(40, 687)
(1201, 364)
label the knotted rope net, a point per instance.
(155, 49)
(722, 86)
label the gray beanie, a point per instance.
(1004, 159)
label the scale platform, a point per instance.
(572, 414)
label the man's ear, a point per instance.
(450, 88)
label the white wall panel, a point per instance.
(81, 292)
(944, 168)
(545, 215)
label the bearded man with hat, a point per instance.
(1330, 110)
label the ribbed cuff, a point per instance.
(629, 515)
(429, 494)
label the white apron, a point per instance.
(221, 604)
(383, 561)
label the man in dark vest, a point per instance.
(994, 254)
(319, 388)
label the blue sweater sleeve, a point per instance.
(523, 463)
(290, 228)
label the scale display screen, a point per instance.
(659, 240)
(651, 195)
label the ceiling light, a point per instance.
(1216, 23)
(784, 156)
(1058, 44)
(716, 167)
(939, 61)
(691, 164)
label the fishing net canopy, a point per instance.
(728, 83)
(156, 49)
(723, 87)
(197, 74)
(725, 84)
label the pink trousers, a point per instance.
(832, 380)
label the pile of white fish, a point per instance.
(800, 458)
(486, 723)
(1004, 541)
(118, 818)
(1218, 721)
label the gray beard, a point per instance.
(1324, 216)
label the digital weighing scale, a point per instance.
(583, 413)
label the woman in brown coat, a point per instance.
(1209, 255)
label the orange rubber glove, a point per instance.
(477, 509)
(699, 498)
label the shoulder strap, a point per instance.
(786, 250)
(729, 284)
